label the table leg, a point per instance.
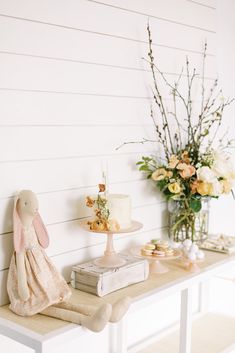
(186, 321)
(118, 337)
(204, 293)
(122, 336)
(112, 338)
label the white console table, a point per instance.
(43, 334)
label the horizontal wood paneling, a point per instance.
(32, 108)
(74, 87)
(90, 47)
(206, 17)
(58, 142)
(179, 11)
(209, 3)
(67, 205)
(69, 236)
(43, 109)
(67, 174)
(223, 207)
(36, 74)
(164, 35)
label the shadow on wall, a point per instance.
(7, 225)
(6, 240)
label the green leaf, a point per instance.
(144, 168)
(205, 133)
(195, 205)
(161, 184)
(146, 159)
(140, 162)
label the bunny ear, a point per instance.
(41, 231)
(18, 237)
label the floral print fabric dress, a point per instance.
(46, 285)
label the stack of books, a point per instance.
(100, 281)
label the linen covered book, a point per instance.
(100, 281)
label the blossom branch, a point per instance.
(163, 111)
(143, 141)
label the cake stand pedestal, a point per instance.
(110, 258)
(192, 266)
(155, 266)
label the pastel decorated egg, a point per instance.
(194, 248)
(192, 256)
(187, 243)
(200, 255)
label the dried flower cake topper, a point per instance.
(102, 221)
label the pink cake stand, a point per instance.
(192, 266)
(111, 258)
(155, 262)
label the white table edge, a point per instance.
(42, 343)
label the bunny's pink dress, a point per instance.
(46, 285)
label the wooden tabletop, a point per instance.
(177, 274)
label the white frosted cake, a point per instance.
(119, 206)
(115, 214)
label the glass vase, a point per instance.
(184, 223)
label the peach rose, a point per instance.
(169, 174)
(185, 157)
(181, 166)
(175, 188)
(186, 170)
(173, 162)
(194, 186)
(204, 188)
(159, 174)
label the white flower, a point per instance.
(217, 188)
(206, 174)
(222, 165)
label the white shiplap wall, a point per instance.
(73, 87)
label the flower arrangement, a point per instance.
(191, 169)
(102, 221)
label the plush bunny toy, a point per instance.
(35, 286)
